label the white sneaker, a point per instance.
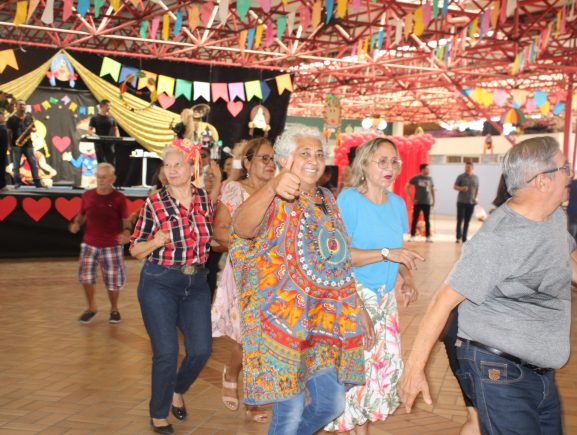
(429, 239)
(411, 239)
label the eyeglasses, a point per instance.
(566, 167)
(384, 163)
(265, 158)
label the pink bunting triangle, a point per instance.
(265, 6)
(304, 17)
(154, 27)
(427, 14)
(66, 9)
(206, 12)
(268, 34)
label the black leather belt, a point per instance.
(507, 356)
(188, 269)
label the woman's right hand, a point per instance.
(405, 256)
(286, 184)
(161, 238)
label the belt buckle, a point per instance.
(189, 269)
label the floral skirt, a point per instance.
(225, 312)
(378, 398)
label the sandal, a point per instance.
(229, 401)
(257, 415)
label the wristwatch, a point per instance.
(385, 253)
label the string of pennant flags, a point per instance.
(391, 31)
(64, 102)
(165, 89)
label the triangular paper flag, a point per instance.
(148, 80)
(540, 98)
(165, 26)
(242, 40)
(219, 90)
(253, 90)
(530, 106)
(500, 97)
(165, 84)
(265, 6)
(242, 7)
(284, 83)
(236, 90)
(268, 34)
(178, 22)
(154, 27)
(82, 7)
(545, 108)
(419, 26)
(193, 17)
(202, 90)
(115, 5)
(127, 70)
(280, 27)
(316, 15)
(66, 9)
(21, 12)
(7, 58)
(408, 25)
(48, 14)
(223, 9)
(341, 8)
(250, 38)
(97, 6)
(265, 90)
(206, 12)
(291, 21)
(110, 66)
(144, 29)
(184, 88)
(32, 8)
(258, 35)
(304, 17)
(329, 6)
(559, 108)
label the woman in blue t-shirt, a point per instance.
(375, 220)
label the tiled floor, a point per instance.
(60, 377)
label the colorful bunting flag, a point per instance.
(219, 90)
(242, 40)
(193, 16)
(125, 71)
(165, 84)
(7, 58)
(265, 90)
(32, 8)
(419, 27)
(143, 29)
(329, 6)
(284, 83)
(236, 90)
(242, 7)
(165, 26)
(83, 6)
(97, 6)
(258, 35)
(178, 22)
(110, 66)
(184, 88)
(223, 9)
(316, 15)
(66, 9)
(341, 8)
(250, 38)
(147, 80)
(280, 27)
(202, 90)
(154, 27)
(48, 14)
(253, 90)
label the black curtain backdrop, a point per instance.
(230, 129)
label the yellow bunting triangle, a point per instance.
(408, 25)
(341, 8)
(495, 13)
(165, 26)
(32, 8)
(316, 15)
(253, 89)
(21, 12)
(110, 66)
(165, 84)
(193, 16)
(419, 24)
(7, 58)
(258, 35)
(115, 5)
(545, 108)
(284, 82)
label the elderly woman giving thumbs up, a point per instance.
(303, 324)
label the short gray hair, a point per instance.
(363, 154)
(526, 159)
(287, 141)
(108, 166)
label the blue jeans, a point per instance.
(308, 412)
(170, 300)
(28, 151)
(510, 398)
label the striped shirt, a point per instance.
(190, 230)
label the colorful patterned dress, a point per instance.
(298, 301)
(375, 226)
(225, 313)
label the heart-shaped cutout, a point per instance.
(7, 206)
(68, 207)
(36, 209)
(234, 107)
(132, 206)
(61, 143)
(165, 101)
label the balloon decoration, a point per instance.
(513, 116)
(413, 150)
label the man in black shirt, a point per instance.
(103, 124)
(20, 126)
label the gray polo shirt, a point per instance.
(515, 274)
(472, 182)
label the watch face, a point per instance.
(385, 252)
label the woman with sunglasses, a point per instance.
(257, 161)
(376, 220)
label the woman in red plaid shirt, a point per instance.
(172, 236)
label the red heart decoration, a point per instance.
(36, 209)
(132, 206)
(234, 107)
(166, 101)
(7, 206)
(61, 143)
(68, 207)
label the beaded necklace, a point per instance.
(331, 243)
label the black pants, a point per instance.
(104, 152)
(449, 337)
(3, 157)
(426, 209)
(464, 214)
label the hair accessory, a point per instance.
(192, 152)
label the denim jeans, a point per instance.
(464, 214)
(169, 300)
(509, 398)
(308, 412)
(28, 151)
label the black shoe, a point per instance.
(114, 317)
(162, 429)
(179, 413)
(87, 317)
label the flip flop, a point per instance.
(229, 401)
(257, 415)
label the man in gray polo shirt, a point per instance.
(467, 184)
(513, 288)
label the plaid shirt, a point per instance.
(190, 230)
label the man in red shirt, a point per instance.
(107, 228)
